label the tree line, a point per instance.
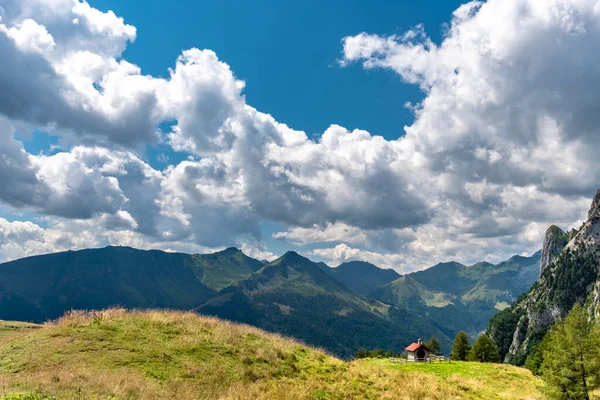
(483, 350)
(568, 357)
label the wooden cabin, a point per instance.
(418, 352)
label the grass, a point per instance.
(116, 354)
(480, 381)
(502, 305)
(8, 327)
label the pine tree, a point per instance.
(434, 345)
(484, 350)
(534, 360)
(571, 357)
(461, 347)
(360, 353)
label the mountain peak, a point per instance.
(363, 277)
(357, 264)
(291, 257)
(230, 251)
(555, 241)
(595, 208)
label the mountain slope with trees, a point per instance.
(569, 278)
(459, 297)
(44, 287)
(294, 296)
(362, 277)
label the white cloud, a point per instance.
(29, 36)
(343, 253)
(506, 136)
(337, 232)
(504, 143)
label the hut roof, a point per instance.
(416, 346)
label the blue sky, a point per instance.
(287, 52)
(488, 160)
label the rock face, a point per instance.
(595, 209)
(554, 242)
(569, 275)
(595, 302)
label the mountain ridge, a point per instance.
(360, 276)
(294, 296)
(460, 297)
(108, 276)
(290, 295)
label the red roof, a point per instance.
(415, 347)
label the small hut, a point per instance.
(418, 352)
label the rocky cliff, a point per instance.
(569, 275)
(555, 241)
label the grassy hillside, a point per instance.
(295, 297)
(153, 355)
(8, 327)
(472, 380)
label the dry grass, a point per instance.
(485, 381)
(115, 354)
(10, 327)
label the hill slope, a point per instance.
(174, 355)
(294, 296)
(44, 287)
(459, 297)
(9, 327)
(362, 277)
(569, 276)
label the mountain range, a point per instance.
(339, 309)
(460, 297)
(568, 275)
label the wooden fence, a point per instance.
(431, 359)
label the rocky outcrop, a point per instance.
(569, 274)
(594, 307)
(594, 212)
(555, 241)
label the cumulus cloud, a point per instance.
(506, 136)
(343, 253)
(504, 143)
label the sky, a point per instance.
(400, 133)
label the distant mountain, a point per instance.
(362, 277)
(322, 306)
(44, 287)
(222, 269)
(459, 297)
(294, 296)
(569, 275)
